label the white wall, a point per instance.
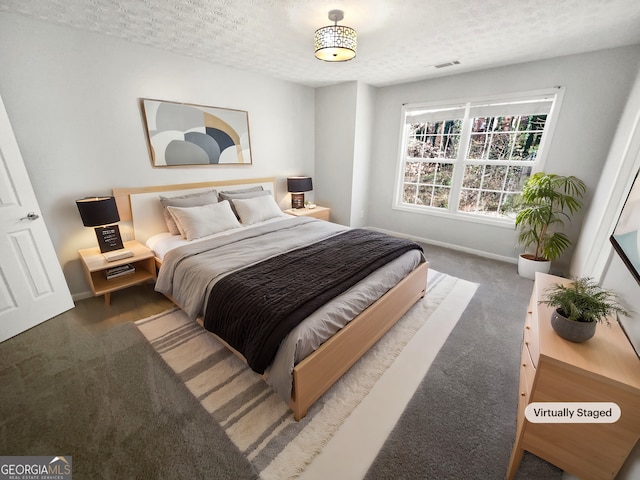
(72, 98)
(597, 85)
(365, 108)
(594, 254)
(335, 127)
(344, 125)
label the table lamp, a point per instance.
(297, 186)
(102, 213)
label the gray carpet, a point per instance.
(107, 401)
(102, 398)
(460, 423)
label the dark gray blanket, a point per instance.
(255, 308)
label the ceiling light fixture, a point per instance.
(335, 43)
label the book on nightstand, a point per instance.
(119, 271)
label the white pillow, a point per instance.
(196, 222)
(252, 210)
(196, 199)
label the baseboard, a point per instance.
(81, 295)
(471, 251)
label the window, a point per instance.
(471, 158)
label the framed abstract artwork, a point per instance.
(181, 134)
(626, 235)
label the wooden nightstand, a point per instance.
(318, 212)
(95, 267)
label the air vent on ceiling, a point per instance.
(447, 64)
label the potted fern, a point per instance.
(579, 307)
(545, 202)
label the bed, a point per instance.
(312, 357)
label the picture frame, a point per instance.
(626, 234)
(109, 238)
(185, 134)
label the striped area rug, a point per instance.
(255, 418)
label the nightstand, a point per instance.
(318, 212)
(95, 269)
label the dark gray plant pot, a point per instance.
(571, 330)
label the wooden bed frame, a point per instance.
(315, 374)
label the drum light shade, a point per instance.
(98, 211)
(297, 186)
(335, 43)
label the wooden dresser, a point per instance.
(603, 369)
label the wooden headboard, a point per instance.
(124, 205)
(123, 196)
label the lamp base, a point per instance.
(297, 200)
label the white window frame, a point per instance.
(556, 94)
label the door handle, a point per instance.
(31, 216)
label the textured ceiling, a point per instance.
(398, 40)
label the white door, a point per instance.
(32, 286)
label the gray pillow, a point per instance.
(243, 194)
(197, 199)
(239, 191)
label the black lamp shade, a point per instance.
(98, 211)
(299, 184)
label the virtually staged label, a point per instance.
(572, 412)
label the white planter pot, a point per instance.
(527, 268)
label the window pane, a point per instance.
(415, 148)
(424, 195)
(487, 187)
(480, 124)
(527, 145)
(516, 176)
(489, 202)
(409, 194)
(506, 138)
(507, 201)
(420, 179)
(428, 173)
(444, 175)
(494, 177)
(478, 146)
(500, 146)
(450, 146)
(532, 122)
(468, 201)
(472, 176)
(440, 197)
(434, 139)
(411, 171)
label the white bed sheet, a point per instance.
(161, 243)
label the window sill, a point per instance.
(460, 216)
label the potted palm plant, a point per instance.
(579, 307)
(545, 202)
